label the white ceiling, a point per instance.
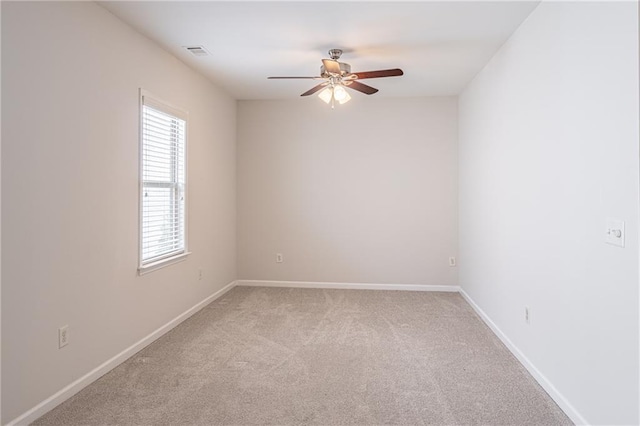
(440, 46)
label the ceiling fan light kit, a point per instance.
(337, 77)
(333, 94)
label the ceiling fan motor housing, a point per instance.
(344, 70)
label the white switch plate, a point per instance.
(614, 232)
(279, 258)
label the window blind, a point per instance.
(163, 183)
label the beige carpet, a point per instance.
(306, 356)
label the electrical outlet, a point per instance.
(527, 315)
(452, 261)
(63, 336)
(200, 274)
(279, 258)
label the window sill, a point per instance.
(162, 263)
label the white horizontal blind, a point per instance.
(163, 183)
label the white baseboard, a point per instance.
(562, 402)
(352, 286)
(75, 387)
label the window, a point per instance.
(162, 184)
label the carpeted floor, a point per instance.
(310, 356)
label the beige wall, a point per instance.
(70, 79)
(549, 151)
(365, 193)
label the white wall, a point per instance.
(70, 78)
(365, 193)
(548, 150)
(0, 230)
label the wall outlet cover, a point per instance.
(63, 336)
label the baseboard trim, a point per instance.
(353, 286)
(546, 384)
(76, 386)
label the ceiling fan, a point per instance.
(337, 76)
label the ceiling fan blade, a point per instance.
(314, 89)
(380, 73)
(332, 67)
(368, 90)
(306, 78)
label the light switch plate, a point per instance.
(614, 232)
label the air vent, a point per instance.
(197, 50)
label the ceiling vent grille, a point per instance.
(197, 50)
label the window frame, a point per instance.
(150, 100)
